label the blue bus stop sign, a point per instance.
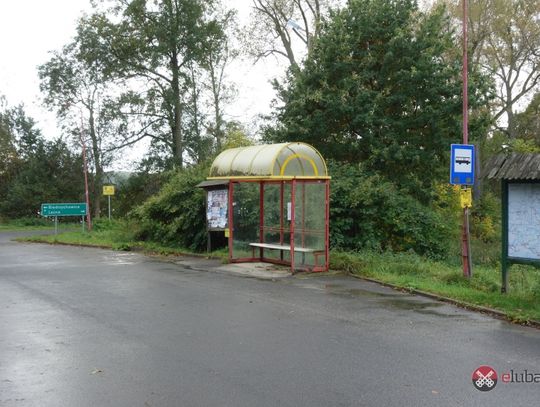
(462, 164)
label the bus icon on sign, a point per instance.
(463, 160)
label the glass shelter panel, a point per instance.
(276, 229)
(246, 217)
(310, 225)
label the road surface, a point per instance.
(90, 327)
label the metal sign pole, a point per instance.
(466, 244)
(82, 223)
(56, 225)
(85, 170)
(109, 206)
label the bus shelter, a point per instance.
(272, 204)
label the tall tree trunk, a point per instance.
(196, 115)
(178, 142)
(218, 116)
(98, 179)
(511, 129)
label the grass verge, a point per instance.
(114, 235)
(31, 224)
(412, 272)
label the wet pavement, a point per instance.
(91, 327)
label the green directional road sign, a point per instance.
(63, 209)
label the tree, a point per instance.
(152, 45)
(382, 88)
(527, 123)
(210, 90)
(504, 42)
(37, 170)
(9, 158)
(74, 85)
(275, 24)
(215, 61)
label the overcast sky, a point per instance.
(29, 29)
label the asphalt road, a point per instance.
(90, 327)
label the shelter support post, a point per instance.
(293, 204)
(303, 214)
(281, 214)
(504, 240)
(327, 227)
(261, 217)
(231, 218)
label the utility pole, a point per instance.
(465, 235)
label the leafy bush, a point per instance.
(32, 221)
(486, 218)
(176, 214)
(367, 211)
(137, 189)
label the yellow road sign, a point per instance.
(108, 189)
(465, 198)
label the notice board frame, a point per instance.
(506, 260)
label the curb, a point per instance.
(135, 249)
(64, 244)
(462, 304)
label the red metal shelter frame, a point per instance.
(297, 233)
(283, 230)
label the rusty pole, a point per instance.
(465, 235)
(85, 170)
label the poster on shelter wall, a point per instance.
(216, 213)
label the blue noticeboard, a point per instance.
(462, 164)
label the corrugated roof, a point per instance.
(271, 161)
(513, 166)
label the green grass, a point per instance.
(409, 271)
(115, 235)
(32, 224)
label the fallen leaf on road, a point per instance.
(96, 371)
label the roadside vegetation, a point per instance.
(412, 272)
(30, 223)
(116, 235)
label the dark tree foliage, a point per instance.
(39, 171)
(138, 188)
(367, 211)
(528, 122)
(382, 87)
(176, 215)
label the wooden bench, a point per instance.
(287, 248)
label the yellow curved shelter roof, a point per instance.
(275, 161)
